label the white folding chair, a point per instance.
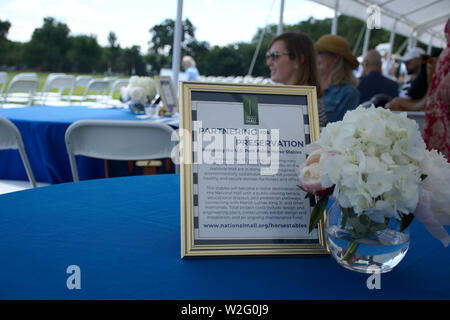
(26, 75)
(50, 77)
(25, 86)
(3, 81)
(111, 80)
(118, 140)
(82, 81)
(60, 82)
(10, 138)
(97, 86)
(116, 86)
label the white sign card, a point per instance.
(243, 146)
(167, 92)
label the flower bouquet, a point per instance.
(139, 93)
(375, 167)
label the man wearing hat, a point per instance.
(335, 63)
(412, 60)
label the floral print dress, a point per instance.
(437, 112)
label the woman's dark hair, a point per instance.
(301, 47)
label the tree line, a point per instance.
(53, 49)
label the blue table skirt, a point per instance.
(124, 234)
(43, 130)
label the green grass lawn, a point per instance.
(42, 77)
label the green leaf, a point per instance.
(317, 213)
(351, 251)
(308, 195)
(346, 213)
(364, 220)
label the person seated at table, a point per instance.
(335, 63)
(373, 82)
(413, 98)
(410, 62)
(292, 61)
(415, 88)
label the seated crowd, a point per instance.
(329, 65)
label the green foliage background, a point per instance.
(53, 49)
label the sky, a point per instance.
(219, 22)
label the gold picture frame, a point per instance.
(239, 206)
(167, 92)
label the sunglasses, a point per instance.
(272, 55)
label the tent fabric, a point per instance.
(426, 18)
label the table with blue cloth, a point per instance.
(43, 129)
(124, 236)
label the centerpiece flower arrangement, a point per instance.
(375, 167)
(139, 93)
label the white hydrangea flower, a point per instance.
(377, 160)
(138, 95)
(433, 210)
(139, 90)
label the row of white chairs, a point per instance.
(239, 79)
(23, 89)
(102, 139)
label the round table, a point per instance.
(43, 129)
(124, 236)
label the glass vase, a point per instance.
(136, 108)
(365, 245)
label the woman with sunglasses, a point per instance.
(335, 63)
(292, 61)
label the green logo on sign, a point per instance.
(251, 110)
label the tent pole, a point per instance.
(430, 44)
(258, 46)
(358, 41)
(366, 41)
(391, 43)
(280, 23)
(402, 46)
(255, 55)
(412, 40)
(176, 56)
(334, 25)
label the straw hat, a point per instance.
(338, 45)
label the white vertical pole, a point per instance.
(280, 23)
(414, 40)
(391, 43)
(366, 42)
(392, 38)
(430, 44)
(176, 56)
(335, 19)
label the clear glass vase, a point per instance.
(136, 108)
(361, 244)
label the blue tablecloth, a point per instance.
(124, 234)
(43, 130)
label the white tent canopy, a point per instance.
(420, 19)
(423, 20)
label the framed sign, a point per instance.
(240, 149)
(167, 92)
